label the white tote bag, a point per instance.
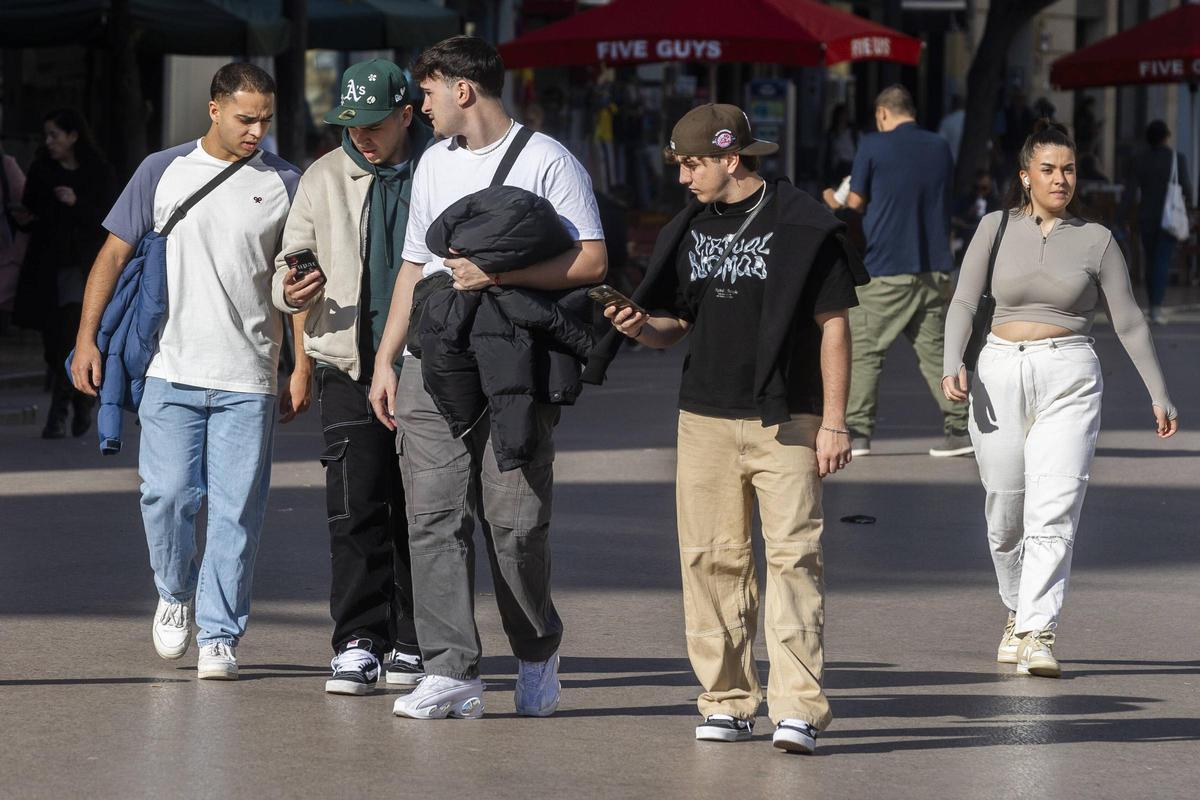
(1174, 216)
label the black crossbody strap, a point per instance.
(510, 155)
(200, 194)
(729, 247)
(987, 286)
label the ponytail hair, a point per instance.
(1046, 133)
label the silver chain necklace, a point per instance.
(750, 210)
(483, 151)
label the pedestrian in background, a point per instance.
(207, 409)
(982, 201)
(1035, 399)
(12, 240)
(903, 178)
(351, 211)
(1153, 170)
(951, 126)
(69, 188)
(839, 147)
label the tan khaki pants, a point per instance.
(723, 465)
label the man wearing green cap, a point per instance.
(351, 210)
(758, 277)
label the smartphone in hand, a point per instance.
(607, 296)
(303, 261)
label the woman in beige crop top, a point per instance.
(1035, 399)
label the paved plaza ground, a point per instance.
(922, 711)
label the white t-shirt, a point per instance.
(449, 172)
(221, 330)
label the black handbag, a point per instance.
(981, 326)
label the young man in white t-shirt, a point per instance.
(446, 479)
(207, 412)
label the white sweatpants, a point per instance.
(1035, 415)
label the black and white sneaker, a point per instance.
(795, 736)
(403, 669)
(724, 728)
(355, 669)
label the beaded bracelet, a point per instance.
(835, 430)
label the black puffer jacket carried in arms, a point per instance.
(502, 350)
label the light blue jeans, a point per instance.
(196, 443)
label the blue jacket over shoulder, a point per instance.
(128, 337)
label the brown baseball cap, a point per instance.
(717, 129)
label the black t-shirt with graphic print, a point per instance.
(718, 373)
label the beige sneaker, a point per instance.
(1036, 657)
(1010, 643)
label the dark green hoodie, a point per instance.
(387, 219)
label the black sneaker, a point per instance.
(724, 728)
(795, 736)
(355, 669)
(403, 669)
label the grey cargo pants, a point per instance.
(447, 482)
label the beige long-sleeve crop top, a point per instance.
(1059, 279)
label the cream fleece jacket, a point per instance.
(328, 216)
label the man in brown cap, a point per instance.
(759, 275)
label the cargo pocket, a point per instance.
(435, 491)
(520, 499)
(337, 486)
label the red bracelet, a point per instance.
(495, 278)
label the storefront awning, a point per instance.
(195, 27)
(1165, 49)
(229, 27)
(378, 24)
(796, 32)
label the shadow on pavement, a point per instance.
(89, 681)
(981, 706)
(1117, 452)
(1160, 729)
(275, 671)
(1164, 668)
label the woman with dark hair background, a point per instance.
(67, 193)
(1035, 399)
(841, 142)
(1151, 174)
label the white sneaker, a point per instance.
(438, 697)
(1010, 643)
(218, 662)
(795, 736)
(538, 687)
(1036, 656)
(172, 629)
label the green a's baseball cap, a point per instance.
(370, 91)
(717, 129)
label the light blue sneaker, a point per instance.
(538, 687)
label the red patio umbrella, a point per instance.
(796, 32)
(1165, 49)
